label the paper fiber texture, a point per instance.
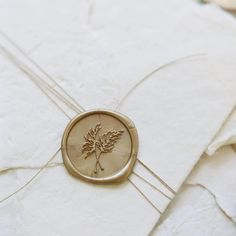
(97, 50)
(206, 202)
(226, 136)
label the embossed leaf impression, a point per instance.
(90, 141)
(97, 144)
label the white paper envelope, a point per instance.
(97, 55)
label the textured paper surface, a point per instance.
(97, 51)
(217, 173)
(226, 136)
(206, 203)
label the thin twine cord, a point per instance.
(157, 177)
(152, 185)
(131, 90)
(32, 178)
(41, 69)
(60, 96)
(6, 169)
(40, 82)
(145, 196)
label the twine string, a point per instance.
(32, 178)
(157, 176)
(145, 196)
(14, 44)
(38, 81)
(75, 106)
(136, 85)
(152, 185)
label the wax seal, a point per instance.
(100, 146)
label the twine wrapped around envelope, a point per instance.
(72, 104)
(68, 101)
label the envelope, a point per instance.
(97, 58)
(226, 136)
(211, 185)
(207, 197)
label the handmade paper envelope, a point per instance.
(206, 202)
(226, 136)
(211, 185)
(97, 59)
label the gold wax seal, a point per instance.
(100, 146)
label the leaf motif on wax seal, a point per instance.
(98, 145)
